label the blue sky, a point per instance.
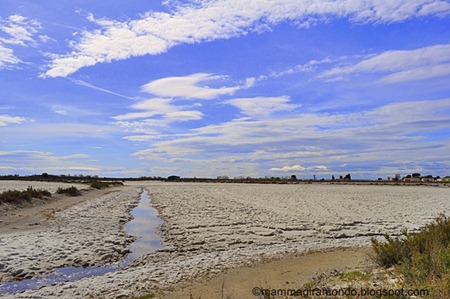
(240, 88)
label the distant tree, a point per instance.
(293, 177)
(348, 177)
(332, 177)
(45, 175)
(416, 175)
(408, 176)
(173, 178)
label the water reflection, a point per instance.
(144, 226)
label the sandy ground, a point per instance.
(290, 272)
(210, 229)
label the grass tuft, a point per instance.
(354, 275)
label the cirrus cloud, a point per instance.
(400, 65)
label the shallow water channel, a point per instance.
(144, 226)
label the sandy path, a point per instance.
(210, 228)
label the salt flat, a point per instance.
(212, 227)
(200, 215)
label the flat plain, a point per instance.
(212, 228)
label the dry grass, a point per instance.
(18, 197)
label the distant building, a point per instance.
(428, 179)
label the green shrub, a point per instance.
(72, 191)
(390, 253)
(422, 258)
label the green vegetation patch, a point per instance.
(14, 196)
(423, 258)
(354, 275)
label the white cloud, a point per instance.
(188, 87)
(289, 168)
(16, 30)
(298, 168)
(160, 107)
(51, 131)
(308, 67)
(39, 161)
(151, 107)
(140, 138)
(156, 112)
(72, 111)
(401, 65)
(7, 57)
(6, 119)
(388, 135)
(262, 106)
(320, 167)
(207, 20)
(19, 30)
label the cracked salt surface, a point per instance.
(144, 226)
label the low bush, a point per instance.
(102, 185)
(72, 191)
(422, 258)
(14, 196)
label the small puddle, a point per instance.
(144, 226)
